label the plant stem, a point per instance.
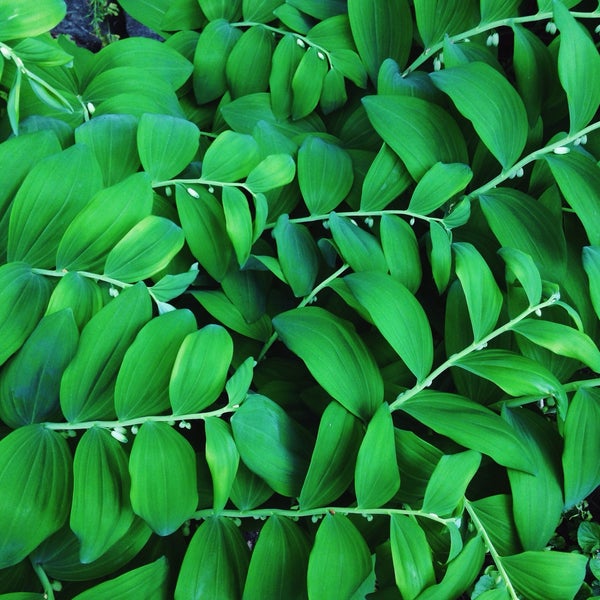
(201, 181)
(492, 550)
(476, 345)
(573, 386)
(48, 589)
(87, 274)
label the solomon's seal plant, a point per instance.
(301, 302)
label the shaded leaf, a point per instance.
(286, 58)
(401, 250)
(440, 255)
(496, 515)
(307, 82)
(522, 267)
(260, 11)
(221, 9)
(493, 10)
(436, 18)
(248, 490)
(238, 222)
(591, 264)
(172, 286)
(230, 157)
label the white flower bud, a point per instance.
(113, 292)
(562, 150)
(551, 27)
(118, 436)
(193, 193)
(321, 55)
(90, 108)
(300, 43)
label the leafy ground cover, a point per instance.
(301, 302)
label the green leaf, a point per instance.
(260, 11)
(48, 200)
(521, 266)
(436, 18)
(222, 457)
(146, 249)
(562, 340)
(494, 10)
(359, 248)
(333, 460)
(112, 139)
(381, 30)
(143, 379)
(578, 178)
(220, 9)
(87, 386)
(588, 536)
(441, 183)
(274, 171)
(307, 82)
(582, 442)
(494, 107)
(401, 250)
(35, 486)
(110, 215)
(172, 286)
(29, 385)
(23, 298)
(484, 298)
(448, 484)
(298, 255)
(471, 425)
(406, 124)
(325, 174)
(249, 490)
(101, 513)
(162, 466)
(496, 515)
(286, 58)
(336, 357)
(348, 63)
(339, 561)
(232, 156)
(200, 369)
(398, 316)
(546, 575)
(215, 564)
(440, 255)
(149, 580)
(166, 144)
(385, 180)
(591, 264)
(28, 18)
(411, 553)
(279, 562)
(262, 428)
(238, 222)
(578, 68)
(376, 475)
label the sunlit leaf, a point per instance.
(274, 171)
(522, 267)
(496, 515)
(28, 18)
(238, 222)
(307, 82)
(230, 157)
(260, 11)
(401, 250)
(286, 58)
(249, 490)
(440, 255)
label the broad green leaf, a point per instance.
(52, 194)
(307, 82)
(215, 563)
(325, 174)
(471, 425)
(101, 513)
(230, 157)
(591, 264)
(87, 386)
(494, 10)
(238, 222)
(406, 124)
(260, 11)
(162, 466)
(333, 460)
(537, 499)
(333, 95)
(376, 477)
(249, 62)
(172, 286)
(436, 18)
(484, 298)
(588, 536)
(149, 580)
(143, 380)
(348, 63)
(561, 339)
(212, 51)
(166, 144)
(298, 255)
(522, 267)
(110, 215)
(112, 139)
(262, 428)
(23, 299)
(448, 484)
(274, 171)
(222, 457)
(385, 180)
(279, 562)
(221, 9)
(494, 107)
(200, 369)
(248, 490)
(205, 229)
(578, 178)
(28, 18)
(246, 290)
(496, 515)
(29, 385)
(398, 316)
(286, 58)
(546, 575)
(518, 221)
(401, 250)
(411, 553)
(441, 183)
(440, 255)
(381, 30)
(339, 561)
(517, 375)
(335, 355)
(460, 572)
(146, 249)
(35, 486)
(582, 443)
(578, 68)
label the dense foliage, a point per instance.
(301, 302)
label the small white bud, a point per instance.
(118, 436)
(325, 224)
(193, 193)
(520, 172)
(496, 39)
(321, 55)
(300, 43)
(369, 222)
(182, 425)
(113, 292)
(551, 27)
(437, 63)
(490, 40)
(6, 53)
(90, 108)
(412, 221)
(134, 429)
(583, 140)
(538, 312)
(562, 150)
(597, 29)
(211, 189)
